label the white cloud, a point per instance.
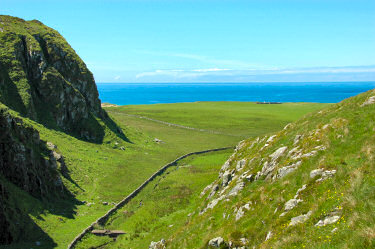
(219, 72)
(117, 77)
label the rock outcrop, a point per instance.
(28, 164)
(42, 78)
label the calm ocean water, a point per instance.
(136, 93)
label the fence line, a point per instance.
(101, 220)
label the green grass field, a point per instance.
(241, 119)
(106, 173)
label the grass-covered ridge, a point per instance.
(310, 185)
(337, 140)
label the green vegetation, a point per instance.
(263, 196)
(337, 140)
(242, 119)
(106, 173)
(164, 204)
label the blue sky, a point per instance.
(214, 41)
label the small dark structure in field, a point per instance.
(268, 103)
(110, 233)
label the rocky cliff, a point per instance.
(43, 78)
(29, 164)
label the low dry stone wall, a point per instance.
(119, 205)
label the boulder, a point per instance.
(292, 203)
(216, 242)
(316, 172)
(234, 191)
(326, 174)
(227, 177)
(300, 219)
(327, 221)
(278, 153)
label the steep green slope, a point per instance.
(44, 79)
(311, 185)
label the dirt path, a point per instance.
(119, 205)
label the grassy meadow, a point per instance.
(109, 171)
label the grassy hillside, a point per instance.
(310, 185)
(109, 171)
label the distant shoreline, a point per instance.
(163, 93)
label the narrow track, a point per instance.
(104, 218)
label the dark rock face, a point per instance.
(43, 78)
(5, 234)
(25, 160)
(28, 164)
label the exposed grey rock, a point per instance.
(225, 166)
(292, 203)
(326, 174)
(309, 154)
(214, 189)
(227, 177)
(300, 190)
(327, 221)
(216, 242)
(244, 241)
(212, 204)
(270, 139)
(300, 219)
(51, 146)
(269, 235)
(250, 177)
(295, 150)
(239, 214)
(369, 101)
(204, 191)
(278, 153)
(240, 145)
(157, 245)
(286, 170)
(234, 191)
(240, 164)
(316, 172)
(156, 140)
(297, 139)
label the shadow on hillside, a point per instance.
(9, 94)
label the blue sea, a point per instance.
(152, 93)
